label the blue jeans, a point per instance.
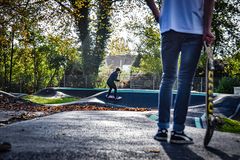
(188, 47)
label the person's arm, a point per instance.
(152, 5)
(208, 12)
(116, 77)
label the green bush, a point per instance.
(229, 125)
(226, 85)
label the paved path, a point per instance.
(107, 135)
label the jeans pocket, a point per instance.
(168, 36)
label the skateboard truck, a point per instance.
(215, 120)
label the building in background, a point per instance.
(122, 61)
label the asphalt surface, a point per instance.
(107, 135)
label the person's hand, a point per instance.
(208, 37)
(123, 82)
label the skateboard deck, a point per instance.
(210, 119)
(113, 98)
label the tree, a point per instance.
(137, 61)
(60, 53)
(29, 64)
(92, 54)
(118, 46)
(149, 47)
(44, 64)
(18, 16)
(226, 27)
(4, 45)
(151, 64)
(233, 65)
(93, 41)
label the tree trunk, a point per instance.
(103, 31)
(35, 68)
(91, 59)
(49, 84)
(5, 71)
(82, 22)
(11, 60)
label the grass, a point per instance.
(229, 125)
(44, 100)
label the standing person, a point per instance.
(111, 84)
(184, 25)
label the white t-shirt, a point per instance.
(184, 16)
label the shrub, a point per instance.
(226, 85)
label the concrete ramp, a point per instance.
(144, 98)
(226, 104)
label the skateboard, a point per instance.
(113, 98)
(210, 118)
